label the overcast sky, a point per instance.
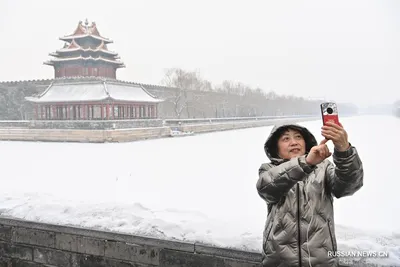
(341, 50)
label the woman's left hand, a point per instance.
(337, 134)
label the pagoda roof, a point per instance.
(74, 46)
(84, 31)
(89, 58)
(94, 91)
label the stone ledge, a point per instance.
(98, 234)
(128, 135)
(124, 250)
(228, 253)
(171, 258)
(113, 245)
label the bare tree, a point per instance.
(197, 97)
(175, 78)
(12, 103)
(187, 84)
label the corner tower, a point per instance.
(85, 53)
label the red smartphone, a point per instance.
(329, 112)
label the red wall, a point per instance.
(78, 70)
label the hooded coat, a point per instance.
(300, 227)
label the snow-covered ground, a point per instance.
(200, 187)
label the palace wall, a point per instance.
(191, 104)
(132, 134)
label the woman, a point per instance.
(298, 186)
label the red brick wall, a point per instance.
(78, 70)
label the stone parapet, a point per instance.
(128, 134)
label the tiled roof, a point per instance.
(89, 58)
(83, 31)
(94, 91)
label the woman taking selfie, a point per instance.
(298, 186)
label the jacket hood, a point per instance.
(271, 145)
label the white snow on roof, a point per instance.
(86, 50)
(129, 93)
(73, 93)
(87, 58)
(80, 92)
(70, 37)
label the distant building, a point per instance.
(86, 86)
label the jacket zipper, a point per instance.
(330, 233)
(298, 222)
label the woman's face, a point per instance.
(291, 144)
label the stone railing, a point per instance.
(232, 125)
(82, 124)
(79, 135)
(25, 243)
(177, 122)
(129, 134)
(137, 123)
(33, 244)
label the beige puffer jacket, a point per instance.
(300, 227)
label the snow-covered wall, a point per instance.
(81, 124)
(24, 243)
(27, 243)
(194, 104)
(130, 134)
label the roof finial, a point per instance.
(86, 22)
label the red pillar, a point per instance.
(84, 107)
(102, 111)
(53, 109)
(155, 111)
(108, 111)
(36, 112)
(67, 107)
